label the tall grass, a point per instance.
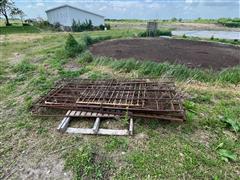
(178, 71)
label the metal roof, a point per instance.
(66, 5)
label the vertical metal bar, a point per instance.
(139, 91)
(133, 94)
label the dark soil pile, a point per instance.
(191, 53)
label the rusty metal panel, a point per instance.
(139, 98)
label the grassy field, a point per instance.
(206, 146)
(197, 24)
(18, 29)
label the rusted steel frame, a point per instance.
(83, 96)
(133, 94)
(179, 117)
(107, 107)
(105, 89)
(74, 99)
(67, 99)
(82, 93)
(120, 100)
(68, 103)
(128, 98)
(119, 89)
(66, 95)
(79, 84)
(96, 94)
(120, 115)
(92, 93)
(110, 110)
(122, 82)
(112, 95)
(41, 98)
(83, 84)
(138, 94)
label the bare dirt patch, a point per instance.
(195, 54)
(72, 66)
(47, 168)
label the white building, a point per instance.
(65, 15)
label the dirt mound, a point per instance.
(191, 53)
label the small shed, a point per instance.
(65, 15)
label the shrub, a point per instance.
(42, 24)
(72, 47)
(47, 26)
(101, 27)
(156, 33)
(79, 27)
(108, 26)
(75, 26)
(88, 40)
(86, 57)
(26, 24)
(184, 36)
(57, 26)
(229, 22)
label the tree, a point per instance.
(17, 12)
(7, 7)
(72, 47)
(22, 15)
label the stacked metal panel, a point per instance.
(142, 98)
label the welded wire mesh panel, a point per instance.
(140, 97)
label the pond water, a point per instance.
(209, 34)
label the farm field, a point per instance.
(206, 146)
(191, 25)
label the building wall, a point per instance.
(65, 16)
(58, 15)
(82, 16)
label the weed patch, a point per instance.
(85, 57)
(73, 74)
(233, 124)
(98, 75)
(179, 72)
(24, 67)
(116, 143)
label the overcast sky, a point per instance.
(139, 9)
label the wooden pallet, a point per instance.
(95, 130)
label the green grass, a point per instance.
(179, 72)
(85, 163)
(116, 143)
(195, 149)
(18, 29)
